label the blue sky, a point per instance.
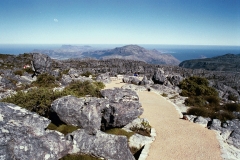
(187, 22)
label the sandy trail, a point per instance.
(176, 139)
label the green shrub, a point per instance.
(37, 100)
(79, 157)
(119, 131)
(164, 95)
(224, 116)
(199, 111)
(79, 89)
(197, 101)
(18, 72)
(86, 74)
(28, 70)
(63, 128)
(232, 107)
(212, 100)
(232, 97)
(45, 80)
(196, 86)
(144, 129)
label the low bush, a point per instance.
(36, 100)
(232, 107)
(63, 128)
(79, 157)
(119, 131)
(79, 89)
(18, 72)
(45, 80)
(196, 86)
(144, 129)
(164, 95)
(232, 97)
(86, 74)
(199, 111)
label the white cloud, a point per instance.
(55, 20)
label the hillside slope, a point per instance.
(227, 62)
(134, 52)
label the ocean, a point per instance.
(181, 52)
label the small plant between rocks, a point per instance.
(143, 129)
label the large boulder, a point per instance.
(104, 78)
(23, 135)
(103, 145)
(159, 77)
(146, 81)
(117, 95)
(175, 79)
(82, 112)
(67, 79)
(132, 80)
(41, 63)
(123, 108)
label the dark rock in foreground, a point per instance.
(23, 136)
(104, 145)
(82, 112)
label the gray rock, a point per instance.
(66, 79)
(123, 108)
(202, 121)
(23, 136)
(175, 79)
(159, 77)
(104, 145)
(132, 80)
(104, 78)
(145, 81)
(117, 95)
(82, 112)
(41, 63)
(120, 114)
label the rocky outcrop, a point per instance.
(146, 81)
(104, 78)
(41, 63)
(131, 80)
(82, 112)
(119, 95)
(123, 108)
(159, 77)
(103, 145)
(66, 79)
(23, 135)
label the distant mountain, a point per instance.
(227, 62)
(66, 51)
(134, 52)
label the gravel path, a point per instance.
(176, 139)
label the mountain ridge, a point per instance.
(227, 62)
(134, 52)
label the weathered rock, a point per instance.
(104, 145)
(120, 114)
(134, 87)
(41, 63)
(118, 95)
(202, 121)
(23, 136)
(104, 78)
(145, 81)
(175, 79)
(123, 107)
(66, 79)
(132, 80)
(159, 77)
(82, 112)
